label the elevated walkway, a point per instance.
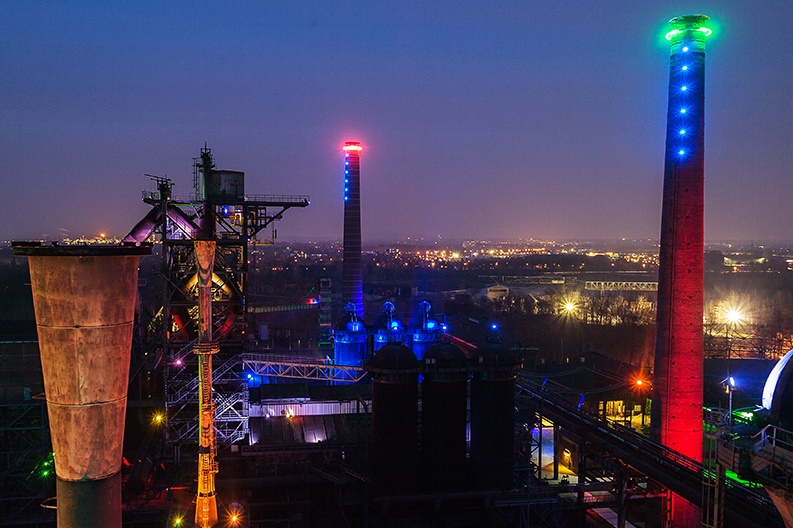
(680, 474)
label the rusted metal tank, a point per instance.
(84, 299)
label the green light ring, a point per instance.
(676, 32)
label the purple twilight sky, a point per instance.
(479, 119)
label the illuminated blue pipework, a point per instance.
(354, 342)
(387, 328)
(349, 346)
(423, 331)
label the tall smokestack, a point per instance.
(679, 354)
(352, 281)
(84, 299)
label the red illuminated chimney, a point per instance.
(679, 355)
(352, 281)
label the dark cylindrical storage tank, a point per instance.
(394, 371)
(493, 416)
(444, 398)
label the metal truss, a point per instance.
(285, 367)
(621, 286)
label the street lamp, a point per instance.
(732, 316)
(730, 386)
(568, 308)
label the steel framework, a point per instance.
(177, 221)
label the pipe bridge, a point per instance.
(682, 475)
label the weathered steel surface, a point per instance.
(84, 313)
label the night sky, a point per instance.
(499, 120)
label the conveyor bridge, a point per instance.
(744, 507)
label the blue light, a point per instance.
(732, 382)
(346, 189)
(431, 325)
(394, 325)
(346, 180)
(682, 110)
(681, 152)
(682, 131)
(345, 198)
(684, 88)
(346, 172)
(250, 376)
(685, 48)
(444, 327)
(494, 326)
(684, 68)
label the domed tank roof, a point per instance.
(778, 390)
(394, 356)
(494, 355)
(349, 323)
(445, 355)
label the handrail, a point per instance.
(680, 473)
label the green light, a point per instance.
(675, 32)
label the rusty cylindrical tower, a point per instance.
(677, 397)
(84, 299)
(352, 274)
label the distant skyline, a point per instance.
(513, 120)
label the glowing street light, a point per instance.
(729, 385)
(568, 306)
(733, 315)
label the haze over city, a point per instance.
(536, 119)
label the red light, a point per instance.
(352, 146)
